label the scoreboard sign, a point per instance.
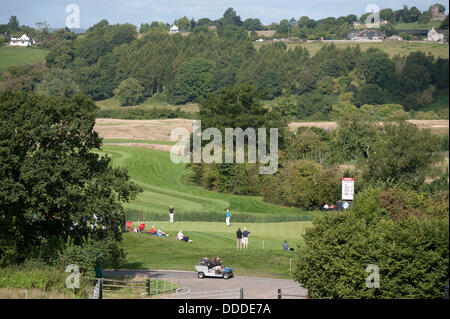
(348, 188)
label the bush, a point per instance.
(145, 114)
(130, 92)
(134, 215)
(302, 184)
(412, 256)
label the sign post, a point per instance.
(348, 188)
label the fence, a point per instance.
(186, 293)
(133, 287)
(293, 293)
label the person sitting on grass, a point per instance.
(152, 230)
(159, 232)
(181, 236)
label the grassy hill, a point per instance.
(145, 251)
(166, 183)
(390, 47)
(14, 56)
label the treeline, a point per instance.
(110, 60)
(309, 172)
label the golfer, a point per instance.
(171, 213)
(245, 235)
(228, 217)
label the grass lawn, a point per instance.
(138, 141)
(216, 239)
(166, 183)
(14, 56)
(390, 47)
(418, 26)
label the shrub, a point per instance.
(412, 256)
(130, 92)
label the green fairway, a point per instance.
(13, 56)
(166, 183)
(119, 141)
(216, 239)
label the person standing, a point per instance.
(228, 217)
(285, 245)
(245, 235)
(239, 239)
(171, 213)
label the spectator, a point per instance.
(325, 207)
(159, 232)
(332, 207)
(285, 245)
(152, 230)
(181, 236)
(245, 235)
(239, 239)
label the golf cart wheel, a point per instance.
(201, 275)
(226, 275)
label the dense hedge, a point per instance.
(134, 215)
(411, 250)
(145, 114)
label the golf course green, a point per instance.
(166, 183)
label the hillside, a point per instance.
(13, 56)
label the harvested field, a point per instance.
(158, 130)
(436, 126)
(132, 131)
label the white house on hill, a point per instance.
(174, 29)
(23, 41)
(434, 36)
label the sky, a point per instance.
(29, 12)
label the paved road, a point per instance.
(254, 288)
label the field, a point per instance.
(390, 47)
(216, 239)
(166, 183)
(12, 56)
(418, 26)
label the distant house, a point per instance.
(174, 29)
(23, 41)
(395, 38)
(366, 35)
(434, 36)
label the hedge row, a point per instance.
(135, 215)
(145, 114)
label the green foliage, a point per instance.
(302, 184)
(129, 92)
(58, 82)
(412, 255)
(50, 179)
(145, 114)
(400, 152)
(194, 80)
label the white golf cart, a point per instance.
(205, 269)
